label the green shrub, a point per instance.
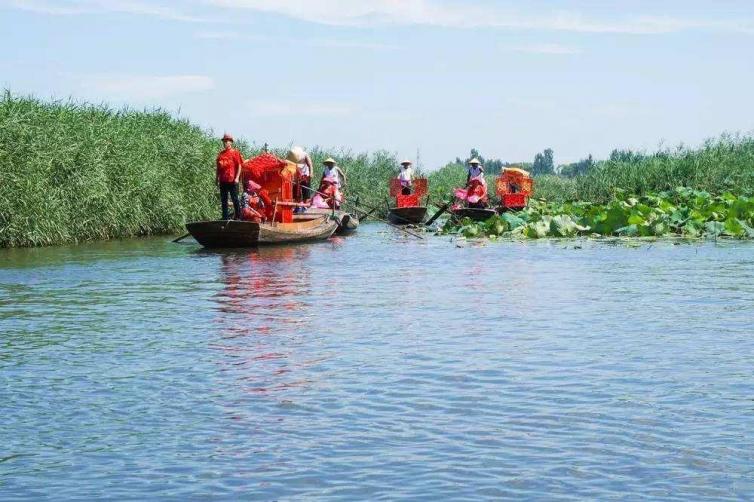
(722, 165)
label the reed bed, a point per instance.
(75, 172)
(725, 164)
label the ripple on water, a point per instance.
(377, 367)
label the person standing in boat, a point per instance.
(227, 173)
(332, 170)
(406, 177)
(304, 169)
(474, 170)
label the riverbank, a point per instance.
(75, 172)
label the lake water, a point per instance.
(378, 367)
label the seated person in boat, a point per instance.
(476, 192)
(406, 177)
(328, 196)
(298, 156)
(252, 206)
(251, 173)
(227, 173)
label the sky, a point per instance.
(434, 77)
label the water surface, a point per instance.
(378, 367)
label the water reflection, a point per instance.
(262, 312)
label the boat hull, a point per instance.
(411, 215)
(347, 222)
(237, 234)
(475, 214)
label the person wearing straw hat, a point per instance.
(406, 176)
(227, 172)
(474, 170)
(304, 169)
(332, 170)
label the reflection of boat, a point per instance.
(234, 233)
(474, 213)
(347, 222)
(408, 207)
(407, 215)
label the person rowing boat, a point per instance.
(406, 177)
(227, 172)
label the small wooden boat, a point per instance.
(474, 213)
(408, 208)
(347, 222)
(409, 215)
(235, 233)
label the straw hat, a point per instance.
(296, 155)
(406, 163)
(227, 137)
(329, 160)
(474, 161)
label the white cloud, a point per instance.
(145, 87)
(465, 15)
(267, 108)
(313, 42)
(447, 13)
(74, 7)
(553, 49)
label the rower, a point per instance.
(304, 169)
(406, 176)
(474, 170)
(227, 173)
(333, 171)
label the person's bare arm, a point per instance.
(239, 167)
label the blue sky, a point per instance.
(509, 78)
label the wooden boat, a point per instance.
(407, 215)
(347, 222)
(235, 233)
(476, 214)
(408, 208)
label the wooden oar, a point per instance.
(438, 213)
(375, 217)
(366, 215)
(181, 238)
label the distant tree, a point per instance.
(577, 168)
(626, 156)
(543, 163)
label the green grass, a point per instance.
(722, 165)
(75, 172)
(554, 188)
(72, 172)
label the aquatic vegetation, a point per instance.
(555, 188)
(74, 172)
(683, 211)
(725, 164)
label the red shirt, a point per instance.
(228, 163)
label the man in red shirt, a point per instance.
(228, 172)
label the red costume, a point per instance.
(228, 164)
